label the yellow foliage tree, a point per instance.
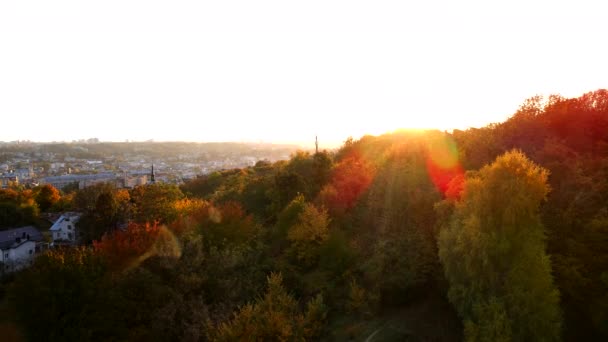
(493, 253)
(310, 232)
(274, 317)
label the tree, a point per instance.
(58, 298)
(124, 249)
(287, 185)
(493, 253)
(350, 178)
(103, 208)
(322, 165)
(308, 234)
(17, 208)
(274, 317)
(396, 225)
(155, 202)
(227, 225)
(46, 196)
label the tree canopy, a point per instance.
(498, 233)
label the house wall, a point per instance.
(18, 257)
(67, 229)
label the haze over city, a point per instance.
(279, 71)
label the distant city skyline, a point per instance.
(283, 72)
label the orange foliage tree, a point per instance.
(123, 247)
(350, 178)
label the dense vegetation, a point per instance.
(491, 234)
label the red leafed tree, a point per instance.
(350, 178)
(123, 247)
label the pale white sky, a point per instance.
(285, 70)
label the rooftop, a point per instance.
(11, 237)
(72, 217)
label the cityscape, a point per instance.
(126, 165)
(331, 171)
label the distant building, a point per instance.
(17, 247)
(131, 181)
(8, 180)
(64, 229)
(56, 165)
(83, 181)
(24, 173)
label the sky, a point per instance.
(285, 71)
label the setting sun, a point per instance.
(320, 170)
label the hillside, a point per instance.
(487, 234)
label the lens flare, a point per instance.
(443, 165)
(165, 245)
(215, 215)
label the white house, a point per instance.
(64, 229)
(17, 247)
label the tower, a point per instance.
(316, 144)
(152, 181)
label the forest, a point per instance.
(497, 233)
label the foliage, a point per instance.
(122, 249)
(350, 179)
(46, 196)
(308, 234)
(155, 203)
(275, 316)
(494, 256)
(60, 298)
(17, 208)
(387, 226)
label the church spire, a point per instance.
(152, 181)
(316, 144)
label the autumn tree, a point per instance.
(103, 208)
(17, 208)
(308, 234)
(46, 196)
(493, 253)
(155, 202)
(274, 317)
(568, 136)
(287, 185)
(396, 225)
(123, 248)
(58, 298)
(227, 225)
(350, 178)
(322, 165)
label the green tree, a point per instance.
(396, 222)
(227, 225)
(287, 185)
(103, 208)
(322, 164)
(493, 253)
